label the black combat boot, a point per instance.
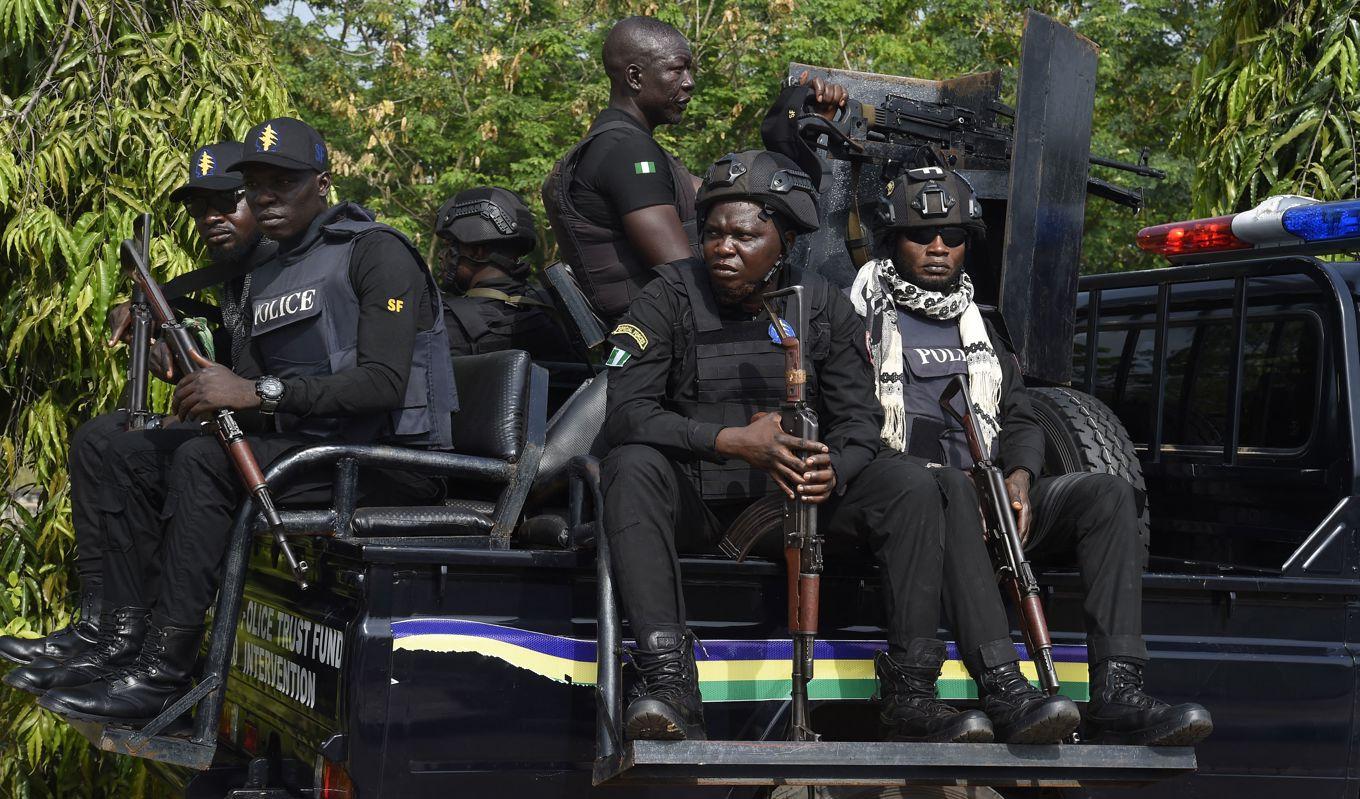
(61, 644)
(1021, 713)
(666, 705)
(1120, 713)
(120, 639)
(135, 695)
(910, 711)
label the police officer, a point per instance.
(695, 375)
(619, 204)
(347, 344)
(215, 201)
(923, 329)
(488, 303)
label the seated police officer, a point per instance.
(216, 202)
(923, 329)
(488, 303)
(347, 344)
(695, 372)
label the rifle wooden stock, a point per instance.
(190, 360)
(1003, 539)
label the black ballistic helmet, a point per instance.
(488, 215)
(765, 178)
(930, 197)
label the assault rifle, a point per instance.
(802, 541)
(189, 360)
(139, 318)
(1003, 537)
(905, 133)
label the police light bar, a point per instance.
(1284, 221)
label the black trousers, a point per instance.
(1087, 518)
(88, 444)
(168, 498)
(652, 511)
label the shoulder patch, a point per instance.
(618, 357)
(634, 332)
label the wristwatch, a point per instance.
(270, 391)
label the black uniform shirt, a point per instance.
(621, 171)
(485, 324)
(381, 269)
(849, 415)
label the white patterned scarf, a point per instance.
(876, 294)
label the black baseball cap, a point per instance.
(208, 169)
(286, 142)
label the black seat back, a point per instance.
(494, 389)
(576, 429)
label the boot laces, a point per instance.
(1011, 683)
(1125, 683)
(665, 673)
(148, 660)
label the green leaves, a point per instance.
(1274, 109)
(100, 106)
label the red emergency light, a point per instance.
(1196, 236)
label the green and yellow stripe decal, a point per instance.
(730, 670)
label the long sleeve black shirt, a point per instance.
(381, 269)
(849, 415)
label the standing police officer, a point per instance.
(216, 202)
(696, 372)
(619, 204)
(488, 303)
(923, 329)
(347, 344)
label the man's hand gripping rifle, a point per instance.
(802, 541)
(1003, 537)
(189, 360)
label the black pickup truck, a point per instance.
(473, 648)
(414, 670)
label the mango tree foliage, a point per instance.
(1277, 104)
(100, 105)
(422, 98)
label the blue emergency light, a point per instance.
(1324, 221)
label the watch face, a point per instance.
(271, 388)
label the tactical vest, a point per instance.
(932, 353)
(739, 370)
(610, 271)
(306, 323)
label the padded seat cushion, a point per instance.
(457, 517)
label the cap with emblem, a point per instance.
(208, 169)
(284, 142)
(762, 177)
(929, 197)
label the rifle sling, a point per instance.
(515, 300)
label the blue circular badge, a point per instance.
(787, 328)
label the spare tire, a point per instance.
(1082, 434)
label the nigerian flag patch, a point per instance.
(644, 167)
(618, 357)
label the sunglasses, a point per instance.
(223, 202)
(950, 235)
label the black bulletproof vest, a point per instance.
(739, 370)
(610, 271)
(932, 354)
(306, 323)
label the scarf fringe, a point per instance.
(875, 294)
